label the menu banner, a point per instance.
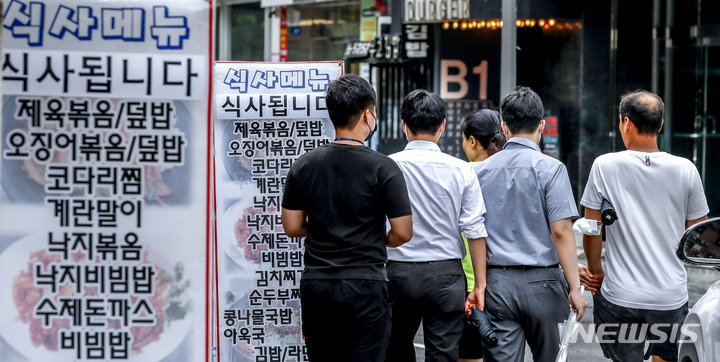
(266, 116)
(104, 180)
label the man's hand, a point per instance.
(564, 240)
(591, 281)
(478, 255)
(578, 302)
(476, 298)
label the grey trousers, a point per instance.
(526, 305)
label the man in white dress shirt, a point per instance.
(426, 273)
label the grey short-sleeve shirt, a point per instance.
(524, 191)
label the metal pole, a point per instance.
(224, 34)
(669, 66)
(508, 52)
(655, 87)
(614, 116)
(706, 51)
(267, 45)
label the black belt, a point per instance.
(523, 267)
(426, 262)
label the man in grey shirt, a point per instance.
(529, 204)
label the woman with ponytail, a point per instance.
(482, 137)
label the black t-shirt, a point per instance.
(346, 192)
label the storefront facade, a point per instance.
(579, 56)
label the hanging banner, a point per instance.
(283, 34)
(105, 168)
(550, 144)
(266, 116)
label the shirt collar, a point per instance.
(517, 142)
(422, 145)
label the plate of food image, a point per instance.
(25, 331)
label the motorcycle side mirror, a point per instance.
(700, 245)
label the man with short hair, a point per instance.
(529, 205)
(339, 195)
(426, 273)
(656, 197)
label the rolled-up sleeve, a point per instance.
(472, 209)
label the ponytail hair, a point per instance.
(484, 125)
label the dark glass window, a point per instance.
(247, 32)
(322, 30)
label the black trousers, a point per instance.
(345, 319)
(433, 292)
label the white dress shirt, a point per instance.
(446, 200)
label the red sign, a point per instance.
(283, 34)
(551, 127)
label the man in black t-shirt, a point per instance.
(338, 196)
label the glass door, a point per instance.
(695, 111)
